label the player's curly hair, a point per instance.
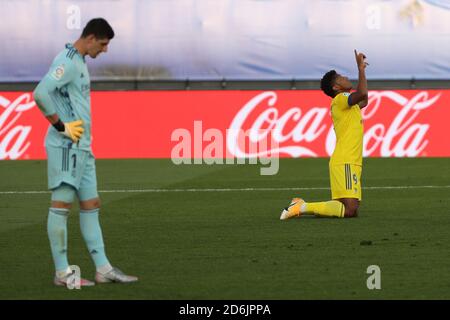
(100, 28)
(327, 82)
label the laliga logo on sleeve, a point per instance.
(13, 138)
(58, 73)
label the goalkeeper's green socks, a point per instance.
(57, 234)
(92, 234)
(331, 208)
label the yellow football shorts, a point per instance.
(345, 181)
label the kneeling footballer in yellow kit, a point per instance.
(346, 160)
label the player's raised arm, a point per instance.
(363, 103)
(360, 95)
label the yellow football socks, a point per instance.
(331, 208)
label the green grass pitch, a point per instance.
(231, 244)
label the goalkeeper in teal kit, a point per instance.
(63, 96)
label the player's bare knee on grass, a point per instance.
(90, 204)
(351, 212)
(351, 207)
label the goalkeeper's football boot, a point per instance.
(115, 275)
(72, 282)
(293, 210)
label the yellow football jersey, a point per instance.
(348, 126)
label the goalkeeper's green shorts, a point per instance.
(72, 167)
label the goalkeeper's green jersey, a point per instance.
(65, 90)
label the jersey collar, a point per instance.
(70, 46)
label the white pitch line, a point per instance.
(233, 189)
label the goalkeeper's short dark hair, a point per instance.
(327, 83)
(100, 28)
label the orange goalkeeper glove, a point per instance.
(72, 130)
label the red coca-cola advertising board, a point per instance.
(153, 124)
